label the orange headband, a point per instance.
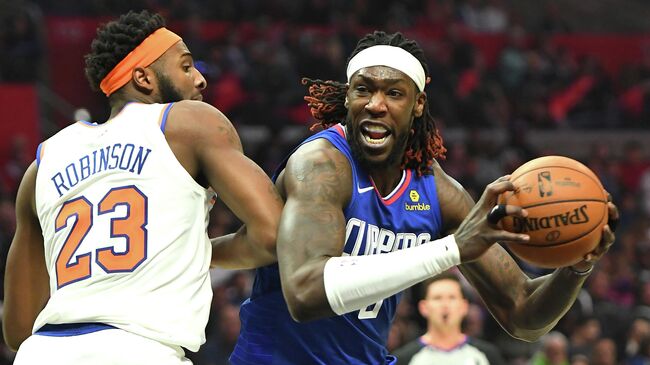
(143, 55)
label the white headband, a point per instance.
(394, 57)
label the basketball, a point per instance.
(567, 209)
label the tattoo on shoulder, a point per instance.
(317, 185)
(322, 177)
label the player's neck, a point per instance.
(119, 103)
(445, 339)
(386, 180)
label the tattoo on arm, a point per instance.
(318, 216)
(506, 270)
(312, 228)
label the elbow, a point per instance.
(302, 300)
(13, 344)
(269, 239)
(13, 338)
(524, 333)
(299, 307)
(266, 237)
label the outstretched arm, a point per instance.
(207, 143)
(26, 280)
(526, 308)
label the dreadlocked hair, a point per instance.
(326, 103)
(117, 39)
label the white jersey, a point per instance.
(124, 227)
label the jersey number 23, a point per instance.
(131, 227)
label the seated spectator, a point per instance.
(554, 350)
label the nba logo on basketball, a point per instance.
(544, 182)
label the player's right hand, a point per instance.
(476, 234)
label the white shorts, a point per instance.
(106, 347)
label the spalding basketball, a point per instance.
(567, 209)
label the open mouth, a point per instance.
(374, 134)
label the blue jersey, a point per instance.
(408, 217)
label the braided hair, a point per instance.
(117, 39)
(326, 103)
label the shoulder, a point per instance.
(29, 178)
(445, 183)
(26, 198)
(455, 201)
(196, 122)
(317, 151)
(320, 164)
(194, 112)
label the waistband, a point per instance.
(71, 329)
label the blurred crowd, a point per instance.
(533, 84)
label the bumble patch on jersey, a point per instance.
(415, 198)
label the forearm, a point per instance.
(240, 250)
(380, 276)
(19, 315)
(26, 293)
(550, 297)
(351, 283)
(526, 308)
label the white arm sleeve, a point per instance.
(355, 282)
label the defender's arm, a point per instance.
(26, 279)
(206, 142)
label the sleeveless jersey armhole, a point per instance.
(163, 118)
(39, 153)
(434, 190)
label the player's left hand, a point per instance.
(606, 240)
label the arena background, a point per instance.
(511, 80)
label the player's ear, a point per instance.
(143, 78)
(420, 102)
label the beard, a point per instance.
(394, 157)
(168, 92)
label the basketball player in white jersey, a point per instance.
(109, 264)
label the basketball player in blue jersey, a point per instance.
(109, 263)
(369, 212)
